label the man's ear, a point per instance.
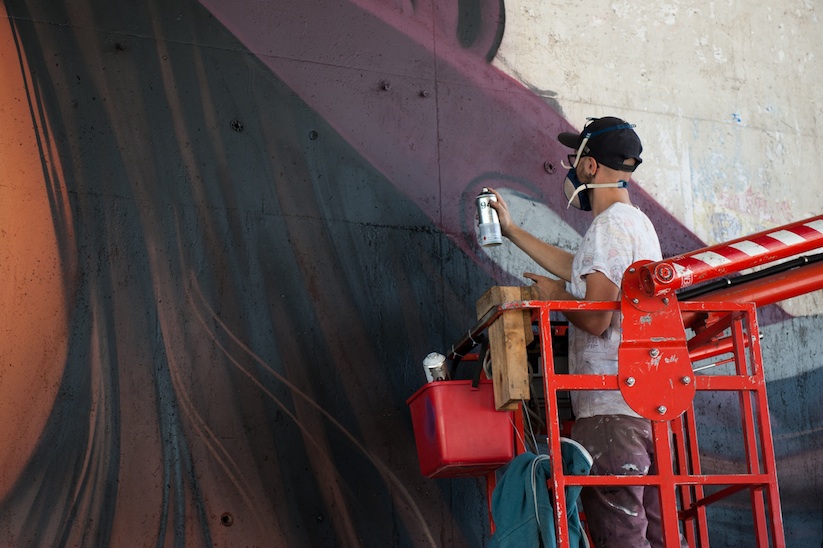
(592, 166)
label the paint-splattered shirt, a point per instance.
(616, 238)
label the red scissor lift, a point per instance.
(675, 348)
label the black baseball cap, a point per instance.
(609, 140)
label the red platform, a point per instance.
(671, 354)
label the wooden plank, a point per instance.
(508, 337)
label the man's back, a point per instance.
(618, 237)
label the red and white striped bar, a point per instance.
(727, 258)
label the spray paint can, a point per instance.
(489, 223)
(434, 365)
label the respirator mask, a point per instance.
(576, 191)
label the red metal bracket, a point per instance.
(654, 368)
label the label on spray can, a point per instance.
(434, 365)
(487, 220)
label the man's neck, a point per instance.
(607, 197)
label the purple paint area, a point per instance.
(447, 122)
(433, 116)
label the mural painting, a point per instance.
(230, 232)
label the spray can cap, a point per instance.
(434, 358)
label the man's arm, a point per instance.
(559, 262)
(554, 259)
(598, 288)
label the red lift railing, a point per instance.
(681, 478)
(670, 351)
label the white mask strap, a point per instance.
(578, 190)
(580, 150)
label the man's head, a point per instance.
(605, 149)
(609, 140)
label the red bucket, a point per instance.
(458, 431)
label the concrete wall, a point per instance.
(724, 94)
(232, 230)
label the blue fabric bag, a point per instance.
(522, 508)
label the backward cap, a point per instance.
(611, 142)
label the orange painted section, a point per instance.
(33, 302)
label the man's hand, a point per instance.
(549, 289)
(598, 288)
(502, 209)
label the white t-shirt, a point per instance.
(617, 237)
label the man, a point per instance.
(606, 152)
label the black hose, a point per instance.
(693, 293)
